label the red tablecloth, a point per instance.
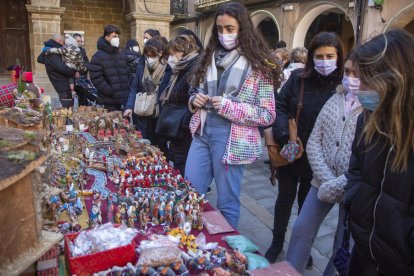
(154, 229)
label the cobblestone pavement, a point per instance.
(258, 198)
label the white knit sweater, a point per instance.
(329, 147)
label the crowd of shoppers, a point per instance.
(204, 108)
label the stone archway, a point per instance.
(310, 15)
(268, 25)
(176, 31)
(401, 19)
(208, 34)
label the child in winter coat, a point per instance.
(71, 56)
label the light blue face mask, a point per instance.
(369, 99)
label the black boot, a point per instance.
(274, 250)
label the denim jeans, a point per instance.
(306, 228)
(204, 162)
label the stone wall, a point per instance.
(91, 16)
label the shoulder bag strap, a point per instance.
(300, 103)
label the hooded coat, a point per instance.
(133, 59)
(108, 71)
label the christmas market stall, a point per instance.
(83, 182)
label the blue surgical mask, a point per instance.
(325, 66)
(369, 99)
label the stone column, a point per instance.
(152, 14)
(44, 21)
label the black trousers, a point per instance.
(65, 98)
(292, 179)
(362, 264)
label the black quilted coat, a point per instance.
(381, 204)
(109, 73)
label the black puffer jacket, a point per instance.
(133, 58)
(56, 69)
(381, 208)
(108, 70)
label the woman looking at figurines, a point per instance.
(152, 76)
(232, 96)
(175, 116)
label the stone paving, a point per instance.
(258, 198)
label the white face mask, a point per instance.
(151, 61)
(228, 41)
(172, 61)
(135, 49)
(351, 84)
(145, 40)
(115, 42)
(325, 66)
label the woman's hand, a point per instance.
(216, 101)
(200, 100)
(128, 113)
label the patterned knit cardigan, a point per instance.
(329, 147)
(254, 107)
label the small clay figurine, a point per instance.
(131, 216)
(110, 208)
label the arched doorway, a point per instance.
(326, 17)
(410, 27)
(177, 31)
(208, 34)
(267, 25)
(402, 19)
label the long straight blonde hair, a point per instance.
(386, 65)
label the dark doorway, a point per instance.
(14, 34)
(332, 21)
(269, 31)
(410, 27)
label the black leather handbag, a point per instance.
(171, 119)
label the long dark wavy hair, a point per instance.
(385, 64)
(325, 39)
(251, 45)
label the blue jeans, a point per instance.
(204, 162)
(306, 228)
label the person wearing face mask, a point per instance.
(183, 57)
(58, 72)
(152, 76)
(328, 150)
(150, 33)
(108, 70)
(380, 190)
(322, 74)
(232, 95)
(133, 56)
